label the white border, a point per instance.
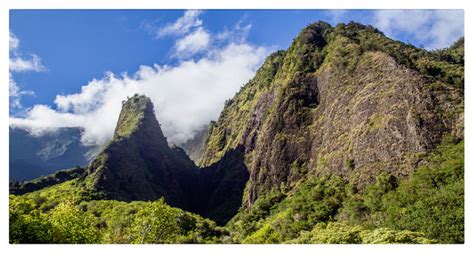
(6, 5)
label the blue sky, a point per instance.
(56, 55)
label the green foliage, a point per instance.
(332, 232)
(70, 225)
(386, 235)
(432, 199)
(107, 221)
(374, 192)
(247, 221)
(27, 225)
(64, 224)
(445, 65)
(316, 200)
(340, 233)
(427, 207)
(48, 198)
(453, 54)
(156, 224)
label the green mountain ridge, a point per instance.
(346, 137)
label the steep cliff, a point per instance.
(343, 100)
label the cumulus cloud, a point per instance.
(433, 28)
(187, 95)
(17, 63)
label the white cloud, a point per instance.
(189, 20)
(434, 29)
(19, 64)
(193, 43)
(14, 92)
(186, 96)
(13, 42)
(238, 33)
(192, 38)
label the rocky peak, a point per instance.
(138, 164)
(138, 118)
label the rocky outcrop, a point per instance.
(138, 164)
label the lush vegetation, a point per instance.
(108, 221)
(427, 207)
(445, 65)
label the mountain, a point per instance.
(32, 156)
(138, 164)
(342, 100)
(345, 137)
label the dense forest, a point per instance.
(346, 137)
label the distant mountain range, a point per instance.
(32, 156)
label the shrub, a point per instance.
(70, 225)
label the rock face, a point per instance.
(32, 156)
(344, 100)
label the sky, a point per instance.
(73, 68)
